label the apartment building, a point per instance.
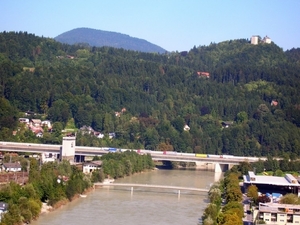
(279, 214)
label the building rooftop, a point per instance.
(93, 163)
(277, 207)
(12, 165)
(287, 180)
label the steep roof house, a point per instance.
(11, 167)
(203, 74)
(86, 129)
(89, 167)
(226, 124)
(35, 122)
(266, 40)
(46, 123)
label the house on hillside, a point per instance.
(89, 167)
(86, 130)
(29, 113)
(35, 125)
(70, 57)
(11, 167)
(99, 134)
(186, 128)
(35, 122)
(111, 135)
(226, 124)
(46, 123)
(274, 103)
(24, 120)
(202, 74)
(266, 40)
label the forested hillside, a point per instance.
(254, 86)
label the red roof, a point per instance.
(203, 74)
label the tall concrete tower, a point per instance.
(67, 150)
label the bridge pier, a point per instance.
(222, 167)
(218, 168)
(213, 166)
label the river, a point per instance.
(118, 205)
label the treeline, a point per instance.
(256, 87)
(225, 207)
(54, 182)
(117, 165)
(272, 165)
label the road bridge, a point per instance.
(215, 164)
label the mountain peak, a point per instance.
(100, 38)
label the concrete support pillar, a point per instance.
(218, 168)
(67, 151)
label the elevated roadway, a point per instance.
(92, 151)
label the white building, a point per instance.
(186, 128)
(254, 40)
(48, 157)
(89, 167)
(266, 40)
(47, 123)
(285, 184)
(280, 214)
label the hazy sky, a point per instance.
(175, 25)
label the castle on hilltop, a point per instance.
(255, 39)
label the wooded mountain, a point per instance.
(100, 38)
(248, 105)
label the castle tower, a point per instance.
(254, 40)
(67, 150)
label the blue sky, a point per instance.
(175, 25)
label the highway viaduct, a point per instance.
(213, 164)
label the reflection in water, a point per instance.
(115, 205)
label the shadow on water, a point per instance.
(170, 167)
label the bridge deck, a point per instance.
(151, 186)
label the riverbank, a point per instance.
(47, 209)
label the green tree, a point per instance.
(252, 192)
(290, 199)
(242, 117)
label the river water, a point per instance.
(118, 205)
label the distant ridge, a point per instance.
(101, 38)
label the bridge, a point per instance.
(153, 186)
(69, 151)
